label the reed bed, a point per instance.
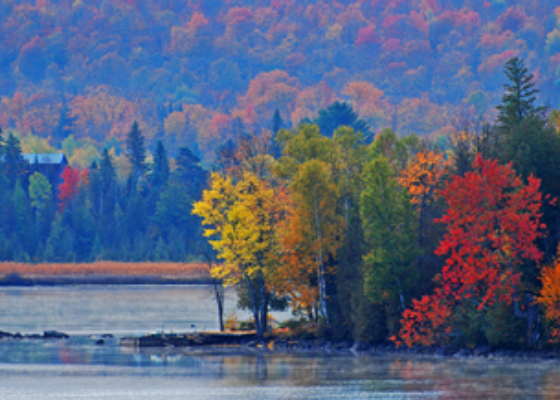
(106, 268)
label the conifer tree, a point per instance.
(14, 163)
(518, 102)
(160, 169)
(526, 139)
(136, 152)
(341, 114)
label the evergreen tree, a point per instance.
(341, 114)
(518, 102)
(526, 139)
(190, 173)
(136, 153)
(160, 169)
(24, 229)
(14, 163)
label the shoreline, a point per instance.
(16, 280)
(246, 343)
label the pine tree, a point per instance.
(136, 152)
(341, 114)
(190, 173)
(526, 139)
(14, 163)
(160, 169)
(518, 101)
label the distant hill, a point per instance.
(194, 72)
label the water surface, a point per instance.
(77, 368)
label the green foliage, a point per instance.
(340, 114)
(136, 152)
(389, 225)
(503, 329)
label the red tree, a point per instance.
(492, 223)
(68, 189)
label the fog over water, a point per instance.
(77, 368)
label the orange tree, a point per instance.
(549, 299)
(492, 222)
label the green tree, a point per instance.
(390, 230)
(530, 143)
(349, 160)
(40, 193)
(518, 102)
(136, 153)
(14, 163)
(341, 114)
(160, 169)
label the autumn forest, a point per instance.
(388, 169)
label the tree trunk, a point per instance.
(219, 293)
(263, 306)
(255, 307)
(321, 274)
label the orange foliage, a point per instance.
(269, 91)
(100, 268)
(100, 113)
(423, 177)
(549, 298)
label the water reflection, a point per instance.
(256, 375)
(77, 367)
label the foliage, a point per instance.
(492, 224)
(549, 298)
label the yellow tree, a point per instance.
(240, 220)
(314, 230)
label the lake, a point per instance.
(77, 368)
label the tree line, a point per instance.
(89, 214)
(395, 238)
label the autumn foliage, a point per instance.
(492, 224)
(72, 178)
(549, 298)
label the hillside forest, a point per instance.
(389, 169)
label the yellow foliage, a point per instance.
(240, 220)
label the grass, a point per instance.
(106, 268)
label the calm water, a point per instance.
(77, 368)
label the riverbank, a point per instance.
(247, 343)
(103, 273)
(278, 344)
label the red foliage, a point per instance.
(68, 189)
(492, 223)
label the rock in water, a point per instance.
(55, 335)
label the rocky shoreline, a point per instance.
(244, 342)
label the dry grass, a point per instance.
(107, 268)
